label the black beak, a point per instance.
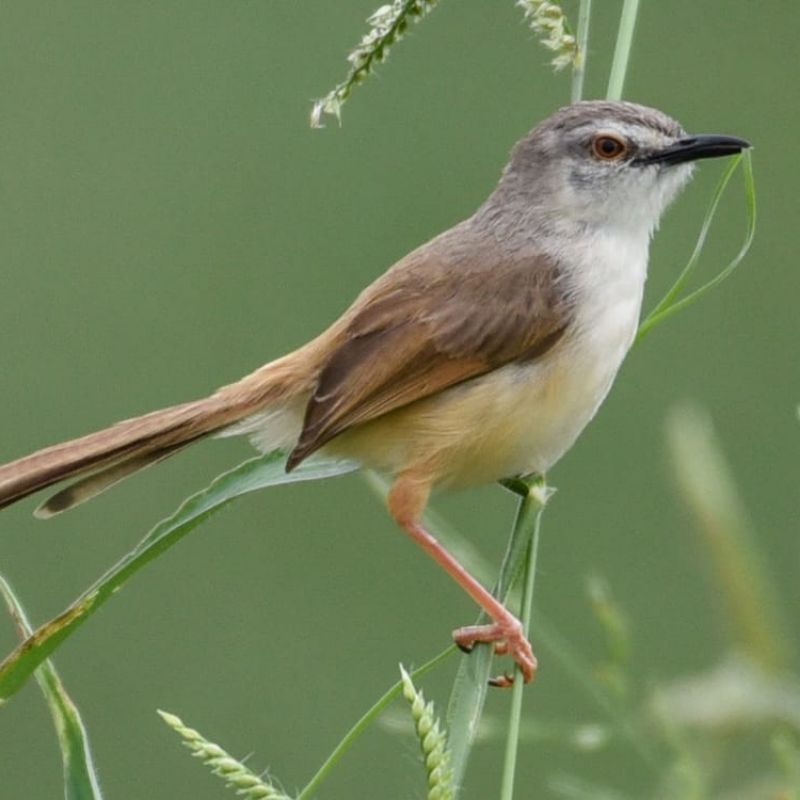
(692, 148)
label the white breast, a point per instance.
(523, 418)
(609, 287)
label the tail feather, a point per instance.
(106, 457)
(124, 443)
(94, 484)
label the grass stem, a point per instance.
(530, 516)
(622, 50)
(368, 718)
(579, 70)
(670, 304)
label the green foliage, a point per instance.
(470, 685)
(530, 518)
(251, 476)
(725, 528)
(80, 780)
(695, 726)
(672, 302)
(622, 49)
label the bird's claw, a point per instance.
(504, 681)
(508, 639)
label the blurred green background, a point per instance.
(169, 222)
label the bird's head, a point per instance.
(609, 163)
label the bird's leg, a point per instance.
(406, 501)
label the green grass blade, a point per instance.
(711, 211)
(576, 665)
(670, 304)
(465, 707)
(744, 584)
(257, 473)
(80, 779)
(622, 50)
(471, 682)
(579, 67)
(531, 512)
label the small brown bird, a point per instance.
(479, 356)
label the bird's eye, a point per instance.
(608, 147)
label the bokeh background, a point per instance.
(169, 222)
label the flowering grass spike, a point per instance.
(549, 21)
(388, 25)
(235, 774)
(433, 741)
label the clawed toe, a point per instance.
(508, 639)
(504, 681)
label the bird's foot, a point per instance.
(508, 639)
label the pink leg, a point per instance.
(406, 501)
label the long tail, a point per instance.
(104, 458)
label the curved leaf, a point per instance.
(80, 779)
(257, 473)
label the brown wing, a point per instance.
(438, 318)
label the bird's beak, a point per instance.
(692, 148)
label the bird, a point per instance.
(479, 356)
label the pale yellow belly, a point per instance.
(516, 420)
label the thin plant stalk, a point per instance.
(670, 305)
(530, 515)
(579, 70)
(745, 586)
(622, 50)
(676, 288)
(367, 719)
(471, 682)
(576, 666)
